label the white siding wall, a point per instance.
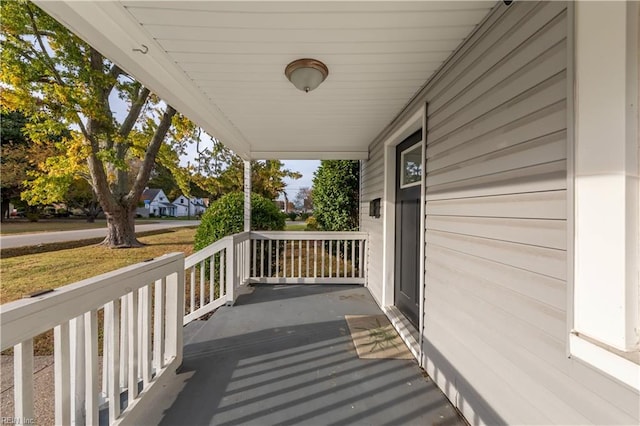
(495, 336)
(372, 187)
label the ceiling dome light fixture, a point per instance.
(306, 74)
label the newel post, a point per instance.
(174, 313)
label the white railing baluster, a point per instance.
(293, 265)
(284, 260)
(202, 283)
(192, 289)
(91, 367)
(230, 274)
(322, 252)
(145, 347)
(23, 380)
(221, 284)
(361, 259)
(300, 258)
(277, 258)
(270, 256)
(158, 325)
(113, 311)
(337, 258)
(254, 259)
(62, 367)
(261, 258)
(353, 258)
(315, 258)
(77, 371)
(330, 259)
(106, 333)
(124, 343)
(212, 278)
(132, 331)
(344, 255)
(308, 255)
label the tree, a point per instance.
(13, 159)
(62, 84)
(81, 196)
(304, 199)
(267, 177)
(336, 195)
(19, 157)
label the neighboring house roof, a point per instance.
(167, 204)
(194, 202)
(150, 194)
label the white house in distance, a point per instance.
(186, 206)
(156, 203)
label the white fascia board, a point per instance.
(310, 155)
(111, 30)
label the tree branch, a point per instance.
(134, 113)
(49, 61)
(150, 156)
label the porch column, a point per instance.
(247, 195)
(606, 209)
(247, 218)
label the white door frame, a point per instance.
(408, 127)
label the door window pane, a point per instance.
(412, 166)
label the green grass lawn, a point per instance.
(22, 275)
(295, 226)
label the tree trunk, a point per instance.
(121, 228)
(5, 210)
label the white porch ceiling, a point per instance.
(221, 63)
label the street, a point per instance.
(23, 240)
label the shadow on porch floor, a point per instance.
(283, 355)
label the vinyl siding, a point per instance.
(495, 336)
(372, 187)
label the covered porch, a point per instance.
(524, 219)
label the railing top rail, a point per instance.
(308, 235)
(209, 250)
(26, 318)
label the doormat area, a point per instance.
(375, 338)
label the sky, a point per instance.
(306, 167)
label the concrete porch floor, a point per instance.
(283, 355)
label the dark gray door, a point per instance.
(407, 249)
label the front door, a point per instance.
(407, 244)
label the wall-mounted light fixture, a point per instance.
(306, 74)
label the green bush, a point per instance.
(312, 224)
(292, 216)
(305, 216)
(225, 216)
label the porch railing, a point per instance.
(213, 274)
(308, 257)
(140, 311)
(140, 308)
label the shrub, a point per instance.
(335, 195)
(292, 215)
(225, 216)
(312, 224)
(304, 216)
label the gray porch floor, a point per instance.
(282, 355)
